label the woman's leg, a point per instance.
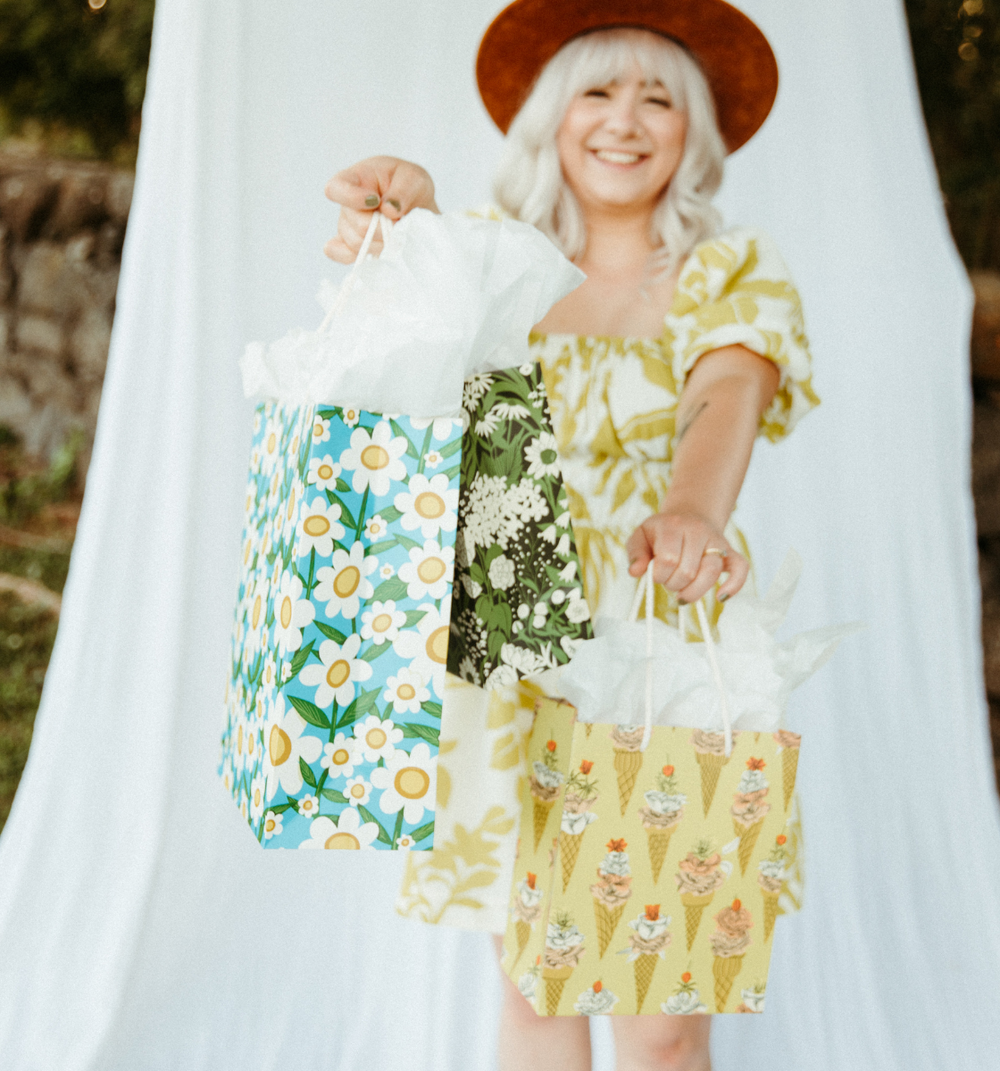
(662, 1042)
(530, 1042)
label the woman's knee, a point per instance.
(663, 1043)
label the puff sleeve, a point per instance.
(736, 289)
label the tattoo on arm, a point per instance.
(686, 424)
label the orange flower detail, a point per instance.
(780, 838)
(586, 767)
(686, 977)
(538, 959)
(598, 986)
(532, 878)
(616, 845)
(737, 905)
(755, 764)
(550, 746)
(652, 912)
(668, 771)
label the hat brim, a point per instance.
(733, 52)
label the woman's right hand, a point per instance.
(380, 183)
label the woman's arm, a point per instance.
(383, 183)
(717, 419)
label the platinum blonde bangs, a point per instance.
(530, 184)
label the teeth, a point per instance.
(617, 157)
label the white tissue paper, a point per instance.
(449, 296)
(606, 678)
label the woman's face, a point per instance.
(620, 144)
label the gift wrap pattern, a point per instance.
(340, 641)
(648, 882)
(519, 603)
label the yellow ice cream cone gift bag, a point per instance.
(653, 857)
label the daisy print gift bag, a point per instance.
(343, 610)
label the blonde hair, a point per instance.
(530, 184)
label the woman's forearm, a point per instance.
(717, 422)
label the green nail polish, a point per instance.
(372, 200)
(722, 598)
(395, 204)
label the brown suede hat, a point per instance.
(733, 52)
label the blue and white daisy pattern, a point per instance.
(340, 641)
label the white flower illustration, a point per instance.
(257, 615)
(257, 797)
(318, 528)
(427, 504)
(323, 473)
(284, 745)
(308, 805)
(386, 571)
(376, 529)
(377, 739)
(426, 646)
(501, 572)
(350, 415)
(358, 791)
(508, 411)
(405, 842)
(577, 609)
(272, 825)
(347, 832)
(269, 677)
(407, 782)
(474, 389)
(321, 430)
(405, 691)
(382, 622)
(542, 456)
(443, 426)
(291, 614)
(432, 459)
(340, 757)
(429, 571)
(343, 585)
(375, 459)
(340, 669)
(270, 446)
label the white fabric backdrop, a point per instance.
(141, 928)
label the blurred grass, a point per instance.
(38, 505)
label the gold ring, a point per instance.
(713, 550)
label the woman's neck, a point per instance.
(618, 244)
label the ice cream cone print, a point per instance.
(544, 783)
(729, 944)
(659, 841)
(790, 744)
(588, 728)
(710, 751)
(771, 911)
(748, 838)
(525, 910)
(555, 983)
(725, 969)
(644, 967)
(610, 892)
(694, 907)
(569, 852)
(541, 811)
(627, 740)
(581, 795)
(607, 920)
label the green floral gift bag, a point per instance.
(519, 607)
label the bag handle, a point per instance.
(377, 220)
(645, 589)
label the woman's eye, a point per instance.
(662, 101)
(597, 93)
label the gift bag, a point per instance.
(653, 856)
(343, 614)
(519, 606)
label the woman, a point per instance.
(662, 367)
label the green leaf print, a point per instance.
(425, 732)
(405, 541)
(330, 632)
(390, 514)
(342, 485)
(311, 713)
(345, 514)
(333, 795)
(307, 775)
(367, 815)
(434, 709)
(452, 448)
(379, 548)
(414, 617)
(376, 649)
(421, 832)
(410, 448)
(393, 589)
(301, 657)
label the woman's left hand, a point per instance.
(686, 550)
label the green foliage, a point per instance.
(23, 495)
(74, 75)
(956, 48)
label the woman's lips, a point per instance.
(617, 158)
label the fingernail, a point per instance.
(372, 200)
(395, 204)
(722, 598)
(682, 602)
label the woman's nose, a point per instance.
(623, 119)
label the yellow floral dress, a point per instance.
(613, 403)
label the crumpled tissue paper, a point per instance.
(606, 678)
(449, 296)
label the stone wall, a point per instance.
(62, 224)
